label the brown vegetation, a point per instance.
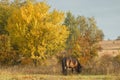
(109, 47)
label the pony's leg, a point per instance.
(65, 71)
(78, 69)
(72, 70)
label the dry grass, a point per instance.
(28, 73)
(58, 77)
(110, 48)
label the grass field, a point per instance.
(25, 73)
(58, 77)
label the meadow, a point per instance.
(27, 73)
(57, 77)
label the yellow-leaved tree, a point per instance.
(35, 31)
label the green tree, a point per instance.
(72, 24)
(84, 36)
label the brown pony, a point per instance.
(70, 62)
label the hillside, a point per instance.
(111, 47)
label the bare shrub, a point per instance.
(116, 63)
(104, 65)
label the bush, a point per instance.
(104, 65)
(116, 63)
(117, 58)
(8, 56)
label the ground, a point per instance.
(57, 77)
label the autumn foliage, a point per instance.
(34, 32)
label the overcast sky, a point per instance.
(105, 12)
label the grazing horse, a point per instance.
(72, 63)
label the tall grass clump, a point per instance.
(106, 65)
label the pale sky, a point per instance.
(105, 12)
